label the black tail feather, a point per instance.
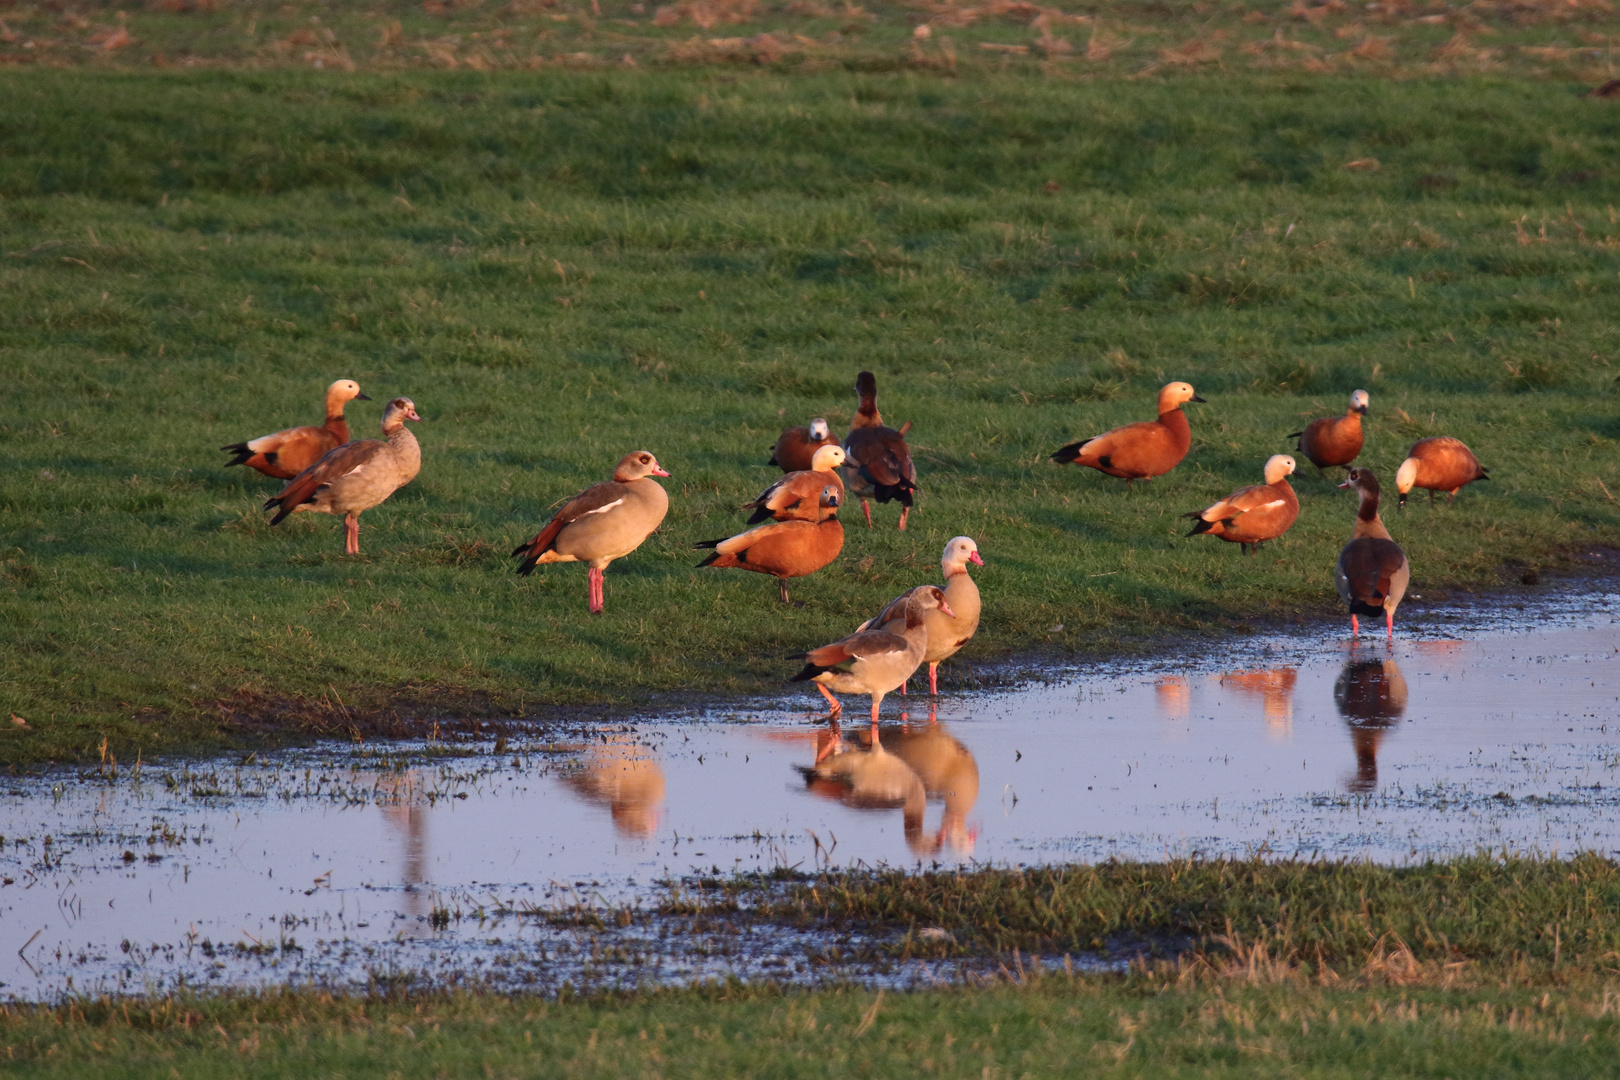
(1361, 607)
(710, 543)
(902, 492)
(707, 562)
(1200, 526)
(762, 514)
(1293, 434)
(810, 671)
(1069, 453)
(241, 451)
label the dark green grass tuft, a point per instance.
(560, 267)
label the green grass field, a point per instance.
(1478, 967)
(563, 264)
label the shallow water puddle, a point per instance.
(1489, 727)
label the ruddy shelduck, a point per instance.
(1440, 463)
(797, 495)
(797, 446)
(604, 522)
(784, 549)
(351, 479)
(1252, 515)
(1334, 441)
(1139, 451)
(287, 453)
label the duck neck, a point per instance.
(1368, 523)
(952, 569)
(867, 415)
(1176, 422)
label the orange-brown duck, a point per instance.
(1139, 451)
(1439, 464)
(1334, 440)
(797, 495)
(784, 549)
(289, 452)
(1252, 515)
(798, 445)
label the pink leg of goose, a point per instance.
(351, 535)
(877, 700)
(832, 703)
(904, 511)
(933, 679)
(1355, 627)
(866, 506)
(593, 586)
(1389, 621)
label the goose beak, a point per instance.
(946, 609)
(1347, 483)
(659, 472)
(975, 560)
(412, 415)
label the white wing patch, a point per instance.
(357, 470)
(604, 509)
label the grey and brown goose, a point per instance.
(1373, 573)
(879, 462)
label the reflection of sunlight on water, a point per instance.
(1175, 697)
(1275, 688)
(622, 775)
(1371, 696)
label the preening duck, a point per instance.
(946, 633)
(874, 662)
(797, 495)
(1334, 440)
(784, 549)
(797, 446)
(1373, 573)
(1440, 463)
(604, 522)
(287, 453)
(879, 462)
(1252, 515)
(1139, 451)
(352, 478)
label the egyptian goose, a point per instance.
(879, 462)
(948, 773)
(1371, 695)
(624, 776)
(870, 779)
(797, 446)
(1373, 572)
(604, 522)
(786, 549)
(1439, 464)
(797, 496)
(1334, 440)
(287, 453)
(874, 662)
(352, 478)
(1139, 451)
(1252, 515)
(946, 633)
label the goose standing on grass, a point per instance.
(784, 549)
(879, 462)
(287, 453)
(798, 445)
(1252, 515)
(604, 522)
(1439, 464)
(946, 633)
(352, 478)
(1139, 451)
(1373, 572)
(874, 662)
(1334, 441)
(797, 495)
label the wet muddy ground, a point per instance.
(1487, 725)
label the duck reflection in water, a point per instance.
(1275, 688)
(622, 775)
(902, 767)
(1175, 696)
(1371, 695)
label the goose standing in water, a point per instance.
(874, 662)
(946, 633)
(604, 522)
(352, 478)
(878, 461)
(1334, 440)
(1373, 573)
(289, 452)
(1250, 516)
(1440, 463)
(1139, 451)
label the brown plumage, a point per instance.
(879, 462)
(798, 445)
(1334, 440)
(1139, 451)
(946, 633)
(1371, 695)
(1439, 464)
(797, 495)
(1373, 573)
(350, 479)
(784, 549)
(604, 522)
(1250, 516)
(287, 453)
(874, 662)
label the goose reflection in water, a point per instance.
(1275, 689)
(948, 774)
(622, 775)
(1175, 696)
(1371, 695)
(401, 799)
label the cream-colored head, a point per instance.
(1358, 402)
(1278, 466)
(1175, 395)
(1406, 478)
(819, 431)
(827, 458)
(637, 465)
(958, 553)
(396, 412)
(829, 502)
(341, 392)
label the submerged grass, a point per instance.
(561, 266)
(1479, 967)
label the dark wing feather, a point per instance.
(336, 462)
(592, 498)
